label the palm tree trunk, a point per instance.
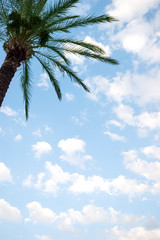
(7, 71)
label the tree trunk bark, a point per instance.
(7, 71)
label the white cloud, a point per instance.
(9, 213)
(106, 48)
(114, 123)
(8, 111)
(136, 233)
(38, 214)
(141, 89)
(41, 148)
(97, 85)
(116, 186)
(134, 42)
(146, 121)
(37, 133)
(74, 151)
(5, 174)
(149, 170)
(43, 237)
(43, 82)
(126, 10)
(88, 215)
(140, 32)
(49, 181)
(28, 181)
(125, 113)
(152, 151)
(48, 129)
(54, 176)
(114, 136)
(18, 138)
(69, 97)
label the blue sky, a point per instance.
(88, 167)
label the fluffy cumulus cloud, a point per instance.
(39, 214)
(41, 148)
(65, 220)
(8, 212)
(152, 151)
(74, 151)
(5, 174)
(148, 169)
(136, 233)
(125, 10)
(145, 121)
(50, 180)
(55, 179)
(90, 214)
(141, 89)
(139, 33)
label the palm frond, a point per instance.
(59, 8)
(83, 21)
(41, 4)
(4, 11)
(26, 85)
(64, 69)
(84, 44)
(52, 78)
(58, 51)
(27, 10)
(84, 53)
(60, 20)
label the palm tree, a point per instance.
(33, 29)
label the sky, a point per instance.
(88, 167)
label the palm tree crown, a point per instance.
(30, 28)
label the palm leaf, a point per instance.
(87, 45)
(59, 8)
(50, 73)
(39, 7)
(26, 85)
(80, 22)
(64, 69)
(58, 51)
(81, 52)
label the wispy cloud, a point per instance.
(114, 136)
(43, 82)
(8, 111)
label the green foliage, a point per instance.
(26, 85)
(35, 24)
